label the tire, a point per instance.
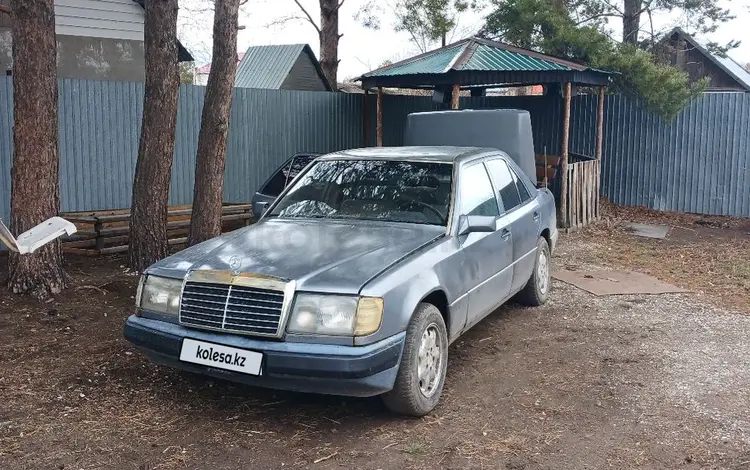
(536, 291)
(409, 395)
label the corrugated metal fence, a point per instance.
(100, 125)
(700, 162)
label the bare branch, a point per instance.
(284, 20)
(646, 7)
(339, 5)
(614, 7)
(309, 17)
(651, 22)
(596, 17)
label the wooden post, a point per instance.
(600, 124)
(380, 117)
(366, 119)
(563, 218)
(455, 94)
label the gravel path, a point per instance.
(585, 382)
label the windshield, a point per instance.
(396, 191)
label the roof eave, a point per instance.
(473, 77)
(415, 58)
(318, 68)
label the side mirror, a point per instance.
(261, 208)
(475, 224)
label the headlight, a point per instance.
(159, 294)
(335, 315)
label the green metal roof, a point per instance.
(269, 66)
(477, 54)
(491, 58)
(438, 61)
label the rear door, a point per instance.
(488, 256)
(280, 179)
(522, 214)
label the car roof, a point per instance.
(416, 153)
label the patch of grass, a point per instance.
(416, 448)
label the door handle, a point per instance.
(505, 234)
(536, 216)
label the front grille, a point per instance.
(235, 308)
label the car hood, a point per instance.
(321, 255)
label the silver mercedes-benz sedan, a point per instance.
(357, 277)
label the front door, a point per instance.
(488, 256)
(522, 215)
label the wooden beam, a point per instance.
(600, 124)
(380, 117)
(455, 94)
(563, 219)
(366, 119)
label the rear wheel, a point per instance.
(421, 375)
(536, 291)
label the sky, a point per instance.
(362, 49)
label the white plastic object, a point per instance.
(37, 237)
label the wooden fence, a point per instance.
(583, 193)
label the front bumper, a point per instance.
(303, 367)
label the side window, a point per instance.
(277, 182)
(477, 196)
(522, 191)
(298, 164)
(505, 183)
(284, 175)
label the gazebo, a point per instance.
(478, 64)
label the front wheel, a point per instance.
(536, 291)
(421, 375)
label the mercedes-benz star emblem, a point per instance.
(235, 263)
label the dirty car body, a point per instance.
(319, 294)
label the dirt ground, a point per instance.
(584, 382)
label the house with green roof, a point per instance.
(281, 67)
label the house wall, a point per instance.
(303, 76)
(114, 19)
(200, 79)
(680, 54)
(88, 57)
(97, 39)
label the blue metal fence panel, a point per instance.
(100, 124)
(269, 126)
(698, 163)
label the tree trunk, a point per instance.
(35, 190)
(631, 21)
(148, 220)
(212, 140)
(329, 40)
